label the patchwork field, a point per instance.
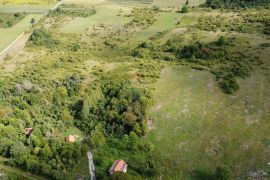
(176, 91)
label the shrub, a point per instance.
(41, 37)
(229, 85)
(17, 14)
(221, 41)
(184, 9)
(32, 21)
(9, 23)
(223, 173)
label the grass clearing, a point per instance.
(165, 22)
(107, 15)
(197, 127)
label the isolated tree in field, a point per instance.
(187, 2)
(184, 9)
(33, 21)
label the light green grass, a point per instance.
(166, 21)
(107, 15)
(8, 35)
(31, 9)
(197, 127)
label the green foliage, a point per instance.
(245, 22)
(122, 108)
(221, 173)
(184, 9)
(119, 176)
(8, 20)
(143, 17)
(73, 11)
(42, 37)
(232, 4)
(229, 85)
(216, 53)
(33, 21)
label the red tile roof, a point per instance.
(118, 166)
(28, 131)
(70, 138)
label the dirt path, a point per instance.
(91, 166)
(16, 48)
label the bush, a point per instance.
(9, 23)
(32, 21)
(223, 173)
(184, 9)
(41, 37)
(229, 85)
(221, 41)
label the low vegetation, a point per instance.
(232, 4)
(162, 77)
(9, 20)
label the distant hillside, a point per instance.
(234, 3)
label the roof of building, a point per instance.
(28, 131)
(70, 138)
(118, 166)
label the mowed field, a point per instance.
(197, 127)
(8, 35)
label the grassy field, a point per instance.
(197, 127)
(34, 9)
(8, 35)
(165, 22)
(107, 15)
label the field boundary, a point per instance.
(21, 35)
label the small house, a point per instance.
(28, 131)
(118, 166)
(70, 138)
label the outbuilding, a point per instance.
(118, 166)
(70, 138)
